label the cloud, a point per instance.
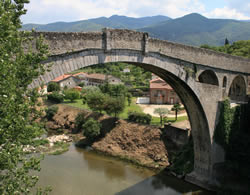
(227, 13)
(45, 11)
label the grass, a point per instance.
(124, 115)
(156, 120)
(59, 148)
(133, 107)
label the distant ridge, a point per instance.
(97, 24)
(192, 29)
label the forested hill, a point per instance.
(97, 24)
(193, 29)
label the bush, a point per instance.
(71, 94)
(52, 86)
(79, 121)
(55, 97)
(139, 117)
(51, 111)
(91, 129)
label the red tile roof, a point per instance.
(159, 84)
(80, 73)
(97, 76)
(62, 77)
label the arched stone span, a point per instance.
(199, 107)
(209, 77)
(238, 88)
(177, 64)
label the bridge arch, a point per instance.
(169, 70)
(175, 63)
(238, 88)
(208, 77)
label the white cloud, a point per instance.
(228, 13)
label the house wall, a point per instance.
(168, 95)
(69, 82)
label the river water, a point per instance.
(83, 172)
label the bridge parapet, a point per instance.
(111, 39)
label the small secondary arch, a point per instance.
(208, 77)
(237, 89)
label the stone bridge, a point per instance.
(202, 78)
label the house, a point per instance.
(96, 79)
(66, 80)
(126, 70)
(42, 90)
(162, 93)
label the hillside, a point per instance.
(193, 29)
(97, 24)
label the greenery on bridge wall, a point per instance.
(233, 133)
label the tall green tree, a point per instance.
(18, 115)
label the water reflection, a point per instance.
(81, 172)
(163, 184)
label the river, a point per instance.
(83, 172)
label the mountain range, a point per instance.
(192, 29)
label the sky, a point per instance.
(48, 11)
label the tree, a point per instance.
(52, 86)
(19, 65)
(129, 98)
(91, 129)
(71, 94)
(114, 105)
(95, 100)
(176, 108)
(226, 42)
(162, 112)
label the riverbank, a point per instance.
(141, 144)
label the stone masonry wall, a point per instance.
(64, 42)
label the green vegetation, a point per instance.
(238, 48)
(39, 142)
(233, 134)
(71, 94)
(183, 161)
(91, 129)
(55, 97)
(79, 121)
(114, 105)
(53, 86)
(51, 111)
(137, 78)
(176, 108)
(18, 126)
(162, 112)
(139, 117)
(157, 121)
(59, 148)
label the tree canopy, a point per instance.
(20, 59)
(238, 48)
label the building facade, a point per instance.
(162, 93)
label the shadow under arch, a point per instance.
(209, 77)
(238, 89)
